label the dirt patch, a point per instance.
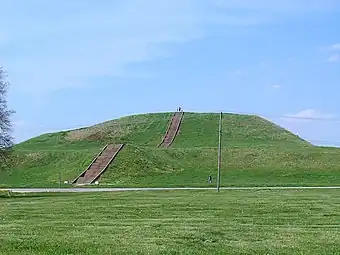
(82, 134)
(34, 155)
(108, 130)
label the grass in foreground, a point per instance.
(172, 222)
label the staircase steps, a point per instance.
(172, 130)
(99, 164)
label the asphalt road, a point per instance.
(79, 190)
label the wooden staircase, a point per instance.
(172, 130)
(99, 164)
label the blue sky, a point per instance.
(75, 63)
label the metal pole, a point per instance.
(219, 154)
(59, 179)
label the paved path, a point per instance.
(39, 190)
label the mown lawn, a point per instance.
(172, 222)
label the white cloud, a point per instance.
(334, 50)
(18, 123)
(276, 86)
(19, 130)
(280, 6)
(237, 72)
(334, 58)
(310, 114)
(316, 126)
(334, 47)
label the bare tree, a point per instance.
(6, 140)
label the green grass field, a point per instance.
(255, 153)
(172, 222)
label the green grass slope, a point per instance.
(255, 153)
(142, 130)
(201, 130)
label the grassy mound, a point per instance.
(255, 153)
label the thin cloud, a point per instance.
(276, 86)
(335, 47)
(334, 58)
(238, 72)
(311, 114)
(334, 50)
(19, 124)
(315, 125)
(287, 6)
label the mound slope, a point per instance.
(255, 152)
